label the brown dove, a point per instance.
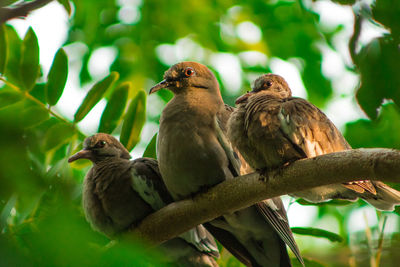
(194, 155)
(271, 128)
(119, 192)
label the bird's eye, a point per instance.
(101, 143)
(268, 84)
(189, 72)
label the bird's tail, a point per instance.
(386, 198)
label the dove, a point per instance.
(118, 193)
(194, 154)
(271, 129)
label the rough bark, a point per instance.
(246, 190)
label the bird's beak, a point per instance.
(83, 154)
(161, 85)
(243, 98)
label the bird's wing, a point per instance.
(202, 240)
(311, 131)
(147, 182)
(272, 210)
(275, 213)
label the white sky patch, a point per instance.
(332, 14)
(184, 49)
(249, 32)
(50, 24)
(299, 215)
(166, 54)
(129, 15)
(291, 74)
(357, 220)
(332, 63)
(253, 58)
(101, 60)
(228, 66)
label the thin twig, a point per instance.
(20, 10)
(380, 242)
(34, 99)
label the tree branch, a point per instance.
(21, 10)
(246, 190)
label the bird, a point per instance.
(194, 154)
(118, 193)
(272, 129)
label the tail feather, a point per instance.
(386, 198)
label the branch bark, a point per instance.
(21, 10)
(246, 190)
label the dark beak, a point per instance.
(243, 98)
(161, 85)
(83, 154)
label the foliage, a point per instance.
(41, 221)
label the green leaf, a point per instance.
(57, 77)
(150, 151)
(58, 135)
(33, 115)
(317, 233)
(29, 68)
(14, 44)
(378, 84)
(3, 48)
(39, 92)
(8, 97)
(115, 108)
(367, 133)
(94, 95)
(66, 5)
(134, 121)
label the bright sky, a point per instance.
(342, 109)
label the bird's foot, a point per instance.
(265, 174)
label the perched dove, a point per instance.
(271, 128)
(118, 193)
(194, 155)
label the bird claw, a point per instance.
(265, 174)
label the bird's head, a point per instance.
(270, 84)
(99, 147)
(185, 76)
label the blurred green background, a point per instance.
(85, 66)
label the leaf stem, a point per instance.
(34, 99)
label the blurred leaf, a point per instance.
(66, 5)
(317, 233)
(94, 95)
(14, 44)
(134, 120)
(58, 135)
(39, 92)
(344, 2)
(29, 68)
(115, 108)
(8, 97)
(3, 48)
(378, 63)
(334, 202)
(367, 133)
(5, 213)
(150, 151)
(387, 12)
(308, 263)
(33, 115)
(57, 77)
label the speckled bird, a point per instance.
(271, 128)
